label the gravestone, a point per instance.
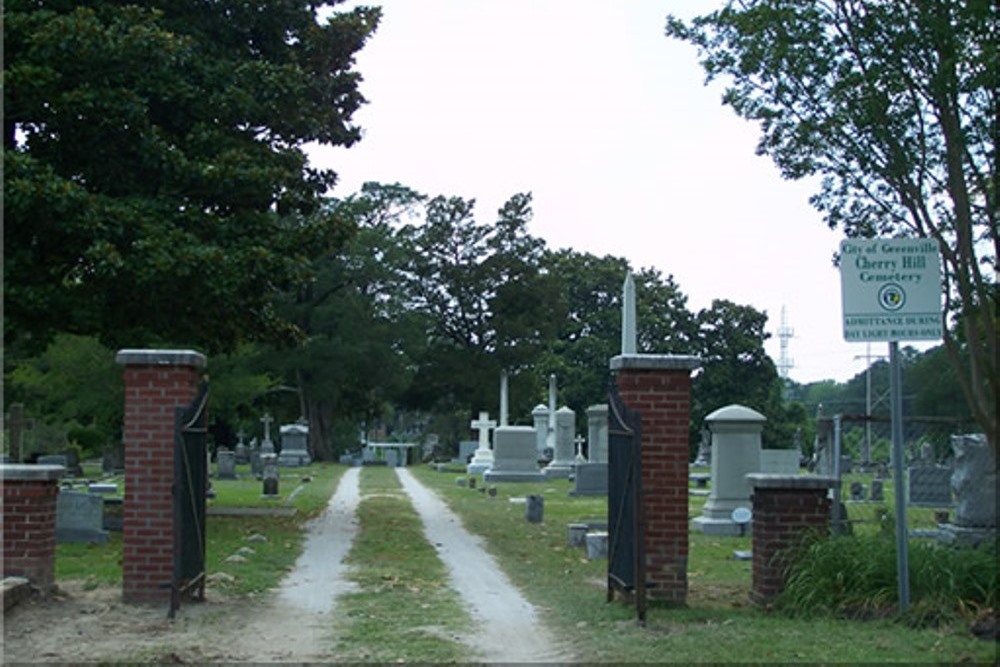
(735, 454)
(242, 454)
(269, 468)
(590, 479)
(466, 450)
(256, 469)
(226, 464)
(878, 491)
(267, 446)
(80, 518)
(562, 463)
(779, 461)
(482, 460)
(294, 445)
(540, 417)
(597, 433)
(515, 456)
(929, 485)
(974, 483)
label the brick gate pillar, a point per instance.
(658, 386)
(29, 521)
(785, 508)
(156, 383)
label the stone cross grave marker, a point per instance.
(482, 460)
(267, 447)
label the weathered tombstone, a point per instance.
(735, 454)
(256, 469)
(482, 460)
(534, 510)
(466, 450)
(597, 545)
(515, 456)
(294, 445)
(269, 466)
(242, 455)
(80, 518)
(779, 461)
(857, 492)
(226, 463)
(540, 416)
(878, 492)
(576, 534)
(590, 479)
(929, 485)
(597, 433)
(974, 482)
(562, 463)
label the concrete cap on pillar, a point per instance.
(129, 357)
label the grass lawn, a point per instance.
(403, 609)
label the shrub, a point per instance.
(855, 577)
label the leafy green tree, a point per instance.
(156, 185)
(736, 369)
(588, 315)
(486, 301)
(74, 387)
(896, 106)
(355, 359)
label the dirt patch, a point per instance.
(79, 625)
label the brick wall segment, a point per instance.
(29, 521)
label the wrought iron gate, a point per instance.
(626, 525)
(190, 482)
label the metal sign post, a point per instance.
(891, 291)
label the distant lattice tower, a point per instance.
(785, 333)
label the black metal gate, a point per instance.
(190, 482)
(626, 525)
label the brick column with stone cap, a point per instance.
(29, 521)
(785, 508)
(658, 386)
(156, 383)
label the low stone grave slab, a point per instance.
(80, 518)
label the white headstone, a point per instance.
(563, 461)
(597, 433)
(540, 415)
(483, 458)
(515, 458)
(735, 454)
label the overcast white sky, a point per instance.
(608, 124)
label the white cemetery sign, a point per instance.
(891, 289)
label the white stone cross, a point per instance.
(484, 425)
(266, 421)
(578, 442)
